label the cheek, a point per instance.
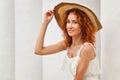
(78, 29)
(66, 26)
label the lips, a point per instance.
(70, 31)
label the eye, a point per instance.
(68, 21)
(75, 22)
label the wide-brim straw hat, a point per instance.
(60, 9)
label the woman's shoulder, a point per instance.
(88, 45)
(88, 49)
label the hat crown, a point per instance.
(61, 8)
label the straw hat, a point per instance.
(60, 9)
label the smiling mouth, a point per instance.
(70, 31)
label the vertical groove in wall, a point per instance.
(14, 36)
(6, 40)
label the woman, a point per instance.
(79, 25)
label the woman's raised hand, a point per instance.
(48, 16)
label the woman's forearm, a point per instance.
(40, 38)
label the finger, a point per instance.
(48, 13)
(51, 11)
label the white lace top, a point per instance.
(70, 65)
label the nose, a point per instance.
(69, 25)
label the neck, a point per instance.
(76, 41)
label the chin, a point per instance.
(71, 35)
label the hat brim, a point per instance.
(60, 9)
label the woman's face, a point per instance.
(72, 25)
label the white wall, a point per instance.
(19, 26)
(52, 63)
(28, 66)
(110, 17)
(6, 40)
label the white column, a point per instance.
(28, 66)
(6, 39)
(110, 16)
(52, 63)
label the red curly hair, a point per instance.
(87, 28)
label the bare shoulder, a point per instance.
(88, 51)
